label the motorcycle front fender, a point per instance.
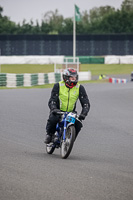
(69, 124)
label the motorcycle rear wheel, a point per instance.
(50, 148)
(67, 145)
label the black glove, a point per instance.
(55, 111)
(81, 117)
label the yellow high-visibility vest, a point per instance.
(68, 97)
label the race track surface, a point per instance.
(100, 166)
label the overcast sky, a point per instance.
(17, 10)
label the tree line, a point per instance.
(99, 20)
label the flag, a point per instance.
(77, 14)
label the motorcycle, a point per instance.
(65, 134)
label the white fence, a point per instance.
(118, 59)
(31, 59)
(59, 59)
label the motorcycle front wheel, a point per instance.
(67, 145)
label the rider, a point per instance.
(64, 96)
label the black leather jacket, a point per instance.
(54, 99)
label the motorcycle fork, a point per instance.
(64, 133)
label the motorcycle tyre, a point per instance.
(49, 150)
(72, 131)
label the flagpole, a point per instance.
(74, 36)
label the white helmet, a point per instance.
(70, 73)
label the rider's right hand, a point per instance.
(55, 111)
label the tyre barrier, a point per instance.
(28, 80)
(117, 80)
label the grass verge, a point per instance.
(95, 69)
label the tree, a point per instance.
(104, 19)
(1, 10)
(67, 26)
(54, 20)
(117, 22)
(127, 5)
(84, 24)
(45, 28)
(98, 13)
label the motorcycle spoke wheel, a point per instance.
(67, 145)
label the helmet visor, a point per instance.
(73, 78)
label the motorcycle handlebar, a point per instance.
(60, 113)
(77, 116)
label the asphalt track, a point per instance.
(100, 166)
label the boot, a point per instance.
(48, 139)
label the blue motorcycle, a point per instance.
(65, 134)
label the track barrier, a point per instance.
(117, 80)
(28, 80)
(128, 59)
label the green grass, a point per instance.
(35, 86)
(95, 69)
(26, 68)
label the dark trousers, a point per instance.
(52, 122)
